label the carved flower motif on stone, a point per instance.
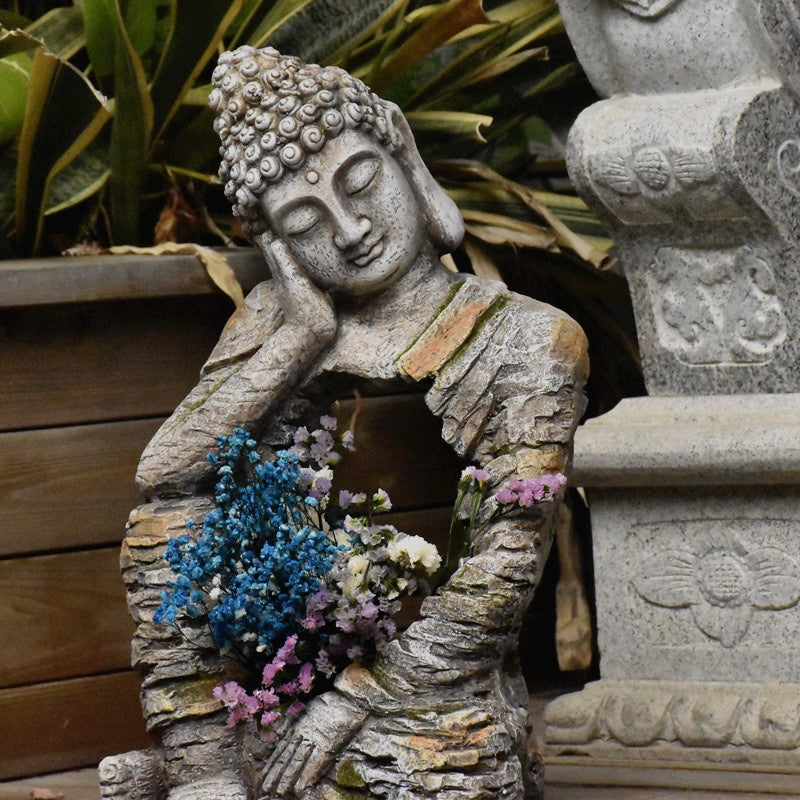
(723, 582)
(654, 170)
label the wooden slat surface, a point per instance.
(69, 487)
(92, 278)
(75, 723)
(67, 365)
(62, 616)
(79, 784)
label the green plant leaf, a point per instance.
(196, 30)
(564, 236)
(280, 13)
(395, 11)
(81, 179)
(63, 115)
(503, 230)
(131, 133)
(10, 20)
(545, 24)
(447, 20)
(100, 26)
(458, 123)
(480, 258)
(557, 79)
(323, 26)
(14, 77)
(488, 71)
(141, 23)
(244, 21)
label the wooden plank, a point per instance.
(67, 724)
(79, 784)
(104, 277)
(73, 487)
(69, 487)
(82, 785)
(67, 365)
(63, 616)
(399, 448)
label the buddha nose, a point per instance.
(350, 230)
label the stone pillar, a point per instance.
(694, 165)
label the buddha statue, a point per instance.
(330, 186)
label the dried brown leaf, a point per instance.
(482, 264)
(217, 266)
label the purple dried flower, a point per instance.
(271, 670)
(295, 709)
(305, 677)
(474, 473)
(328, 422)
(269, 717)
(506, 496)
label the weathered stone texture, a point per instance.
(693, 165)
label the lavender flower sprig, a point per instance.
(473, 488)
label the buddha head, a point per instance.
(311, 156)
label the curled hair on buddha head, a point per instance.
(273, 111)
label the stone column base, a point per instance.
(744, 724)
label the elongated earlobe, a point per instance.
(442, 218)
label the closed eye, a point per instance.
(300, 220)
(360, 175)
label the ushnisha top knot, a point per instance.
(273, 111)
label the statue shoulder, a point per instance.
(478, 312)
(544, 325)
(248, 328)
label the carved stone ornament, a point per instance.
(723, 581)
(329, 183)
(690, 721)
(718, 307)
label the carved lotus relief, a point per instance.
(723, 582)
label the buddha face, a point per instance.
(349, 216)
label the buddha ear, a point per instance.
(443, 220)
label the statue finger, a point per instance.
(313, 766)
(279, 761)
(301, 299)
(288, 781)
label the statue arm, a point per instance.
(510, 400)
(241, 393)
(236, 395)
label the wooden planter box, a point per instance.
(95, 353)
